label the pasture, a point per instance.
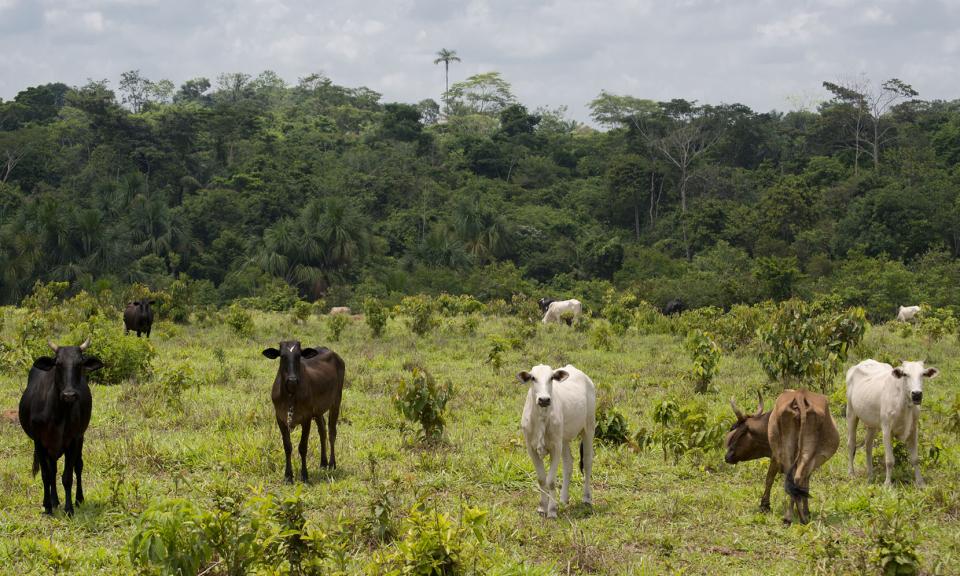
(659, 508)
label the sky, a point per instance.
(767, 54)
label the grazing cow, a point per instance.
(55, 412)
(309, 383)
(340, 310)
(798, 436)
(674, 306)
(907, 313)
(888, 399)
(561, 405)
(558, 308)
(545, 303)
(138, 316)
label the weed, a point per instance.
(240, 321)
(419, 399)
(376, 316)
(336, 324)
(706, 358)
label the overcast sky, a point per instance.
(770, 54)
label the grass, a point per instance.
(650, 515)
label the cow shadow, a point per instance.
(582, 510)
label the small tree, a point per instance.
(376, 316)
(706, 357)
(419, 399)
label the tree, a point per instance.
(446, 56)
(135, 90)
(486, 93)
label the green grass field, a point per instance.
(650, 514)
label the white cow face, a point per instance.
(911, 375)
(541, 379)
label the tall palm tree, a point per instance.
(446, 56)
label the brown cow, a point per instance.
(798, 436)
(309, 383)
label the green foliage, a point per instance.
(601, 337)
(611, 426)
(301, 311)
(433, 544)
(336, 324)
(419, 399)
(240, 321)
(420, 314)
(498, 345)
(706, 355)
(124, 357)
(173, 379)
(169, 539)
(460, 305)
(808, 344)
(525, 308)
(681, 429)
(376, 316)
(617, 310)
(895, 550)
(45, 295)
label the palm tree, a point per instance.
(446, 56)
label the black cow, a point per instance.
(309, 383)
(544, 304)
(138, 316)
(55, 412)
(674, 306)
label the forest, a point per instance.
(246, 186)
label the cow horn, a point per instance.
(736, 410)
(760, 403)
(52, 346)
(85, 345)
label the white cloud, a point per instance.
(877, 15)
(798, 28)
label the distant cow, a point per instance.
(798, 436)
(340, 310)
(55, 412)
(545, 303)
(309, 383)
(907, 313)
(674, 306)
(138, 316)
(886, 399)
(557, 309)
(560, 405)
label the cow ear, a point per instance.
(931, 373)
(136, 302)
(524, 376)
(308, 353)
(560, 375)
(152, 302)
(271, 353)
(897, 373)
(92, 363)
(44, 363)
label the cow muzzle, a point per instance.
(917, 397)
(543, 402)
(68, 396)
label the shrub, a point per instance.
(376, 316)
(301, 311)
(433, 544)
(706, 358)
(240, 321)
(525, 308)
(45, 295)
(601, 337)
(611, 427)
(169, 539)
(419, 311)
(498, 345)
(419, 399)
(681, 429)
(336, 323)
(124, 357)
(895, 547)
(173, 380)
(470, 325)
(617, 311)
(459, 305)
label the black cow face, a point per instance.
(290, 354)
(71, 367)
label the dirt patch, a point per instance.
(9, 417)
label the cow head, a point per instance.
(544, 303)
(911, 375)
(143, 305)
(290, 354)
(541, 378)
(747, 438)
(70, 368)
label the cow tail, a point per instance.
(790, 480)
(581, 456)
(36, 463)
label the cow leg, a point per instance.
(914, 460)
(869, 435)
(586, 461)
(52, 480)
(567, 472)
(41, 457)
(555, 455)
(852, 440)
(304, 440)
(67, 479)
(887, 452)
(805, 513)
(322, 429)
(78, 468)
(287, 449)
(772, 472)
(541, 480)
(334, 415)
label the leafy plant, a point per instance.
(681, 429)
(169, 539)
(617, 310)
(301, 311)
(419, 311)
(498, 345)
(611, 426)
(336, 324)
(601, 337)
(419, 399)
(433, 544)
(895, 550)
(706, 358)
(376, 316)
(240, 321)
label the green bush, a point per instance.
(124, 357)
(895, 546)
(240, 321)
(498, 345)
(169, 539)
(601, 337)
(173, 379)
(301, 311)
(617, 310)
(706, 358)
(681, 429)
(419, 399)
(434, 545)
(611, 427)
(419, 312)
(460, 305)
(336, 324)
(525, 308)
(376, 316)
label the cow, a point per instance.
(339, 310)
(560, 405)
(674, 306)
(138, 316)
(907, 313)
(557, 309)
(55, 412)
(886, 399)
(798, 436)
(545, 303)
(309, 383)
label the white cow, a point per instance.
(560, 307)
(886, 399)
(339, 310)
(561, 405)
(907, 313)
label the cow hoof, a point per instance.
(69, 511)
(764, 506)
(787, 522)
(48, 511)
(288, 479)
